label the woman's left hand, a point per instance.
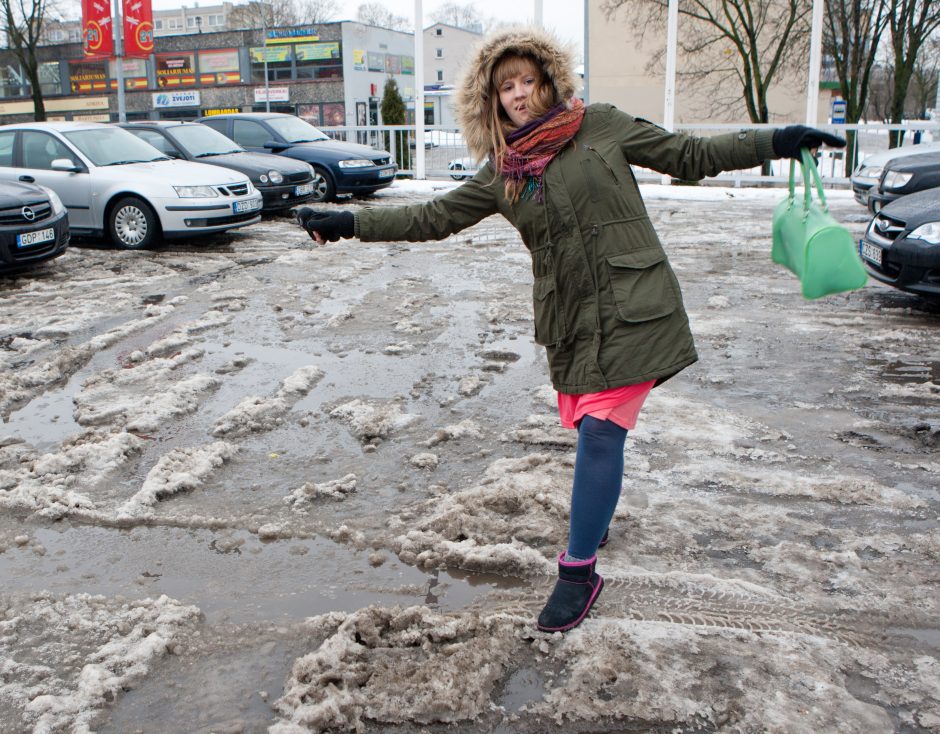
(788, 141)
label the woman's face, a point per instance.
(514, 93)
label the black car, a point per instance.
(282, 182)
(902, 244)
(339, 167)
(34, 225)
(904, 176)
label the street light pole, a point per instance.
(264, 54)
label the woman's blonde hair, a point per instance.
(541, 101)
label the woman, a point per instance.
(607, 304)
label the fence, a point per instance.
(446, 152)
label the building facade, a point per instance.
(330, 74)
(617, 73)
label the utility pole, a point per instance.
(117, 23)
(815, 60)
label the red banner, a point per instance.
(97, 39)
(138, 27)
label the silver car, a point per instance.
(116, 185)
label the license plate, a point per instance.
(386, 173)
(303, 189)
(246, 206)
(34, 238)
(870, 252)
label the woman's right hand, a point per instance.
(327, 226)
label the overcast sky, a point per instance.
(565, 19)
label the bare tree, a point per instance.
(851, 38)
(267, 14)
(742, 43)
(912, 23)
(923, 94)
(377, 14)
(317, 11)
(458, 15)
(23, 24)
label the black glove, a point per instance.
(330, 225)
(790, 139)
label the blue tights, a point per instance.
(598, 473)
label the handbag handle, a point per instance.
(809, 170)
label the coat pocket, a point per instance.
(643, 285)
(549, 322)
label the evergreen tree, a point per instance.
(393, 113)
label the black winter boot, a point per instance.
(575, 592)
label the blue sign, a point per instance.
(838, 112)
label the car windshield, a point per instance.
(113, 146)
(201, 141)
(295, 130)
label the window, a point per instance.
(216, 20)
(49, 78)
(56, 36)
(440, 75)
(40, 149)
(6, 148)
(279, 62)
(218, 125)
(318, 60)
(439, 53)
(158, 24)
(439, 31)
(157, 141)
(250, 134)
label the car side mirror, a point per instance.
(274, 145)
(64, 164)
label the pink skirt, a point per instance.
(621, 405)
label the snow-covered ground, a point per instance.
(250, 484)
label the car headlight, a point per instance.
(195, 192)
(275, 177)
(929, 233)
(895, 180)
(57, 206)
(355, 163)
(870, 172)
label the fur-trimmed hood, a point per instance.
(472, 99)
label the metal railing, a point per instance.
(446, 153)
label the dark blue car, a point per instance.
(339, 167)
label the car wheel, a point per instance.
(133, 224)
(323, 188)
(457, 167)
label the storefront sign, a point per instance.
(292, 35)
(176, 99)
(176, 70)
(88, 76)
(221, 111)
(359, 60)
(316, 51)
(260, 54)
(272, 94)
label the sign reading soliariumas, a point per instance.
(176, 99)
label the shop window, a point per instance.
(49, 80)
(219, 66)
(318, 60)
(280, 62)
(176, 70)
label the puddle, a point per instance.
(905, 370)
(232, 576)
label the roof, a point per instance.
(59, 126)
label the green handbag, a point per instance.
(810, 243)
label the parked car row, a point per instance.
(139, 183)
(901, 246)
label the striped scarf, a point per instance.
(533, 146)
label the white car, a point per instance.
(465, 167)
(114, 184)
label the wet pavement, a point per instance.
(250, 484)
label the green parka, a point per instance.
(607, 306)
